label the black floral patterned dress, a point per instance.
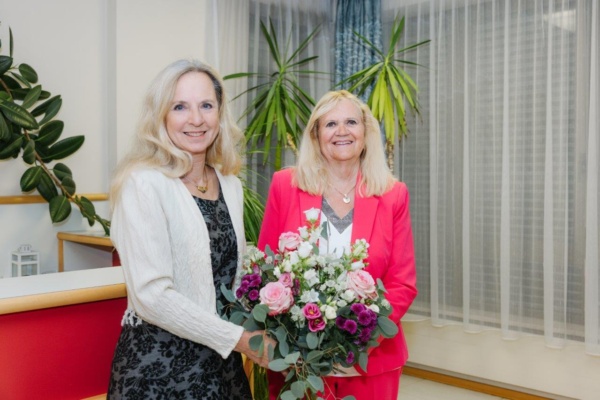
(151, 363)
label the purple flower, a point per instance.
(364, 318)
(317, 324)
(240, 292)
(253, 295)
(340, 321)
(350, 357)
(350, 326)
(357, 308)
(365, 335)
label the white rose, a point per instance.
(374, 308)
(348, 295)
(277, 272)
(330, 312)
(313, 214)
(305, 249)
(294, 259)
(357, 265)
(303, 231)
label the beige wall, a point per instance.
(100, 56)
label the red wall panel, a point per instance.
(59, 353)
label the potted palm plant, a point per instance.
(280, 107)
(393, 88)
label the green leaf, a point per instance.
(60, 208)
(31, 178)
(41, 109)
(292, 358)
(314, 356)
(28, 73)
(298, 389)
(315, 382)
(256, 342)
(52, 110)
(69, 185)
(388, 328)
(18, 115)
(32, 96)
(65, 147)
(260, 312)
(278, 365)
(5, 64)
(227, 293)
(46, 187)
(13, 148)
(50, 132)
(4, 129)
(288, 395)
(29, 152)
(312, 340)
(61, 170)
(363, 359)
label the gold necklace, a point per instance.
(201, 188)
(345, 197)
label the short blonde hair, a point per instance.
(311, 167)
(153, 148)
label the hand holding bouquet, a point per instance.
(325, 311)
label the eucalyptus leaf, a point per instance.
(363, 359)
(259, 313)
(18, 115)
(292, 358)
(256, 342)
(60, 208)
(278, 365)
(312, 340)
(388, 328)
(50, 132)
(31, 178)
(315, 382)
(289, 395)
(228, 294)
(298, 389)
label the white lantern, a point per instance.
(25, 261)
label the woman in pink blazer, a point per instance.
(341, 170)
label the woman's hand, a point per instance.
(243, 346)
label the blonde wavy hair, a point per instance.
(311, 167)
(152, 147)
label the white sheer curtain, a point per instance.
(239, 46)
(503, 165)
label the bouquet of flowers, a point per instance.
(325, 311)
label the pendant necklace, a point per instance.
(345, 198)
(201, 188)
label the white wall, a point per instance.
(99, 55)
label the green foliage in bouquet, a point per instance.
(28, 128)
(325, 311)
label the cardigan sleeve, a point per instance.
(140, 232)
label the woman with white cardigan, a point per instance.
(178, 227)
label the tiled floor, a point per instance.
(412, 388)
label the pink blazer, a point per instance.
(384, 221)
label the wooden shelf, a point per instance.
(94, 239)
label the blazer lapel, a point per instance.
(306, 202)
(365, 210)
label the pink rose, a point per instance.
(288, 241)
(362, 283)
(277, 297)
(311, 311)
(286, 279)
(316, 325)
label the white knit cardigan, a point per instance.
(164, 248)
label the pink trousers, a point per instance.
(380, 387)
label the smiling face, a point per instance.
(193, 118)
(341, 133)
